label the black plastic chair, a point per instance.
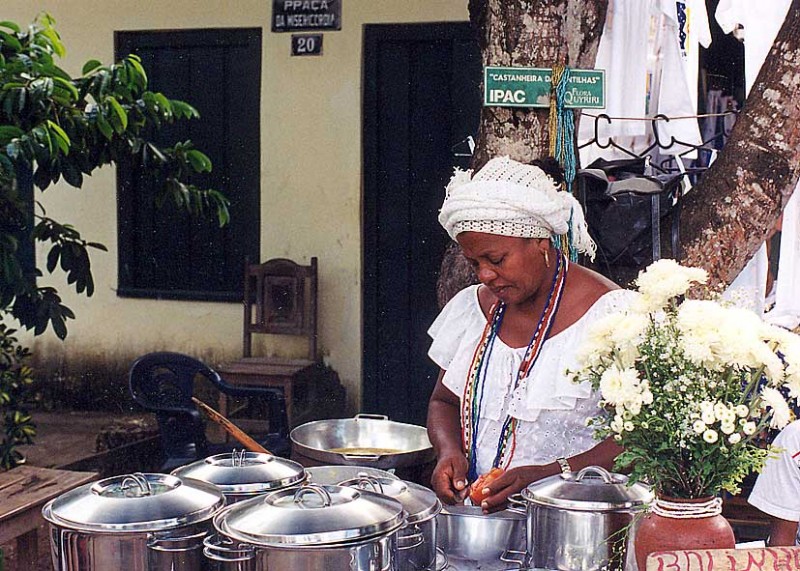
(164, 383)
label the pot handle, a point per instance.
(366, 482)
(411, 540)
(604, 474)
(314, 489)
(517, 504)
(362, 457)
(220, 548)
(179, 544)
(506, 556)
(371, 416)
(444, 563)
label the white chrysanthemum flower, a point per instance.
(699, 426)
(629, 330)
(727, 427)
(742, 411)
(781, 415)
(663, 280)
(710, 436)
(621, 387)
(749, 428)
(707, 416)
(735, 438)
(628, 426)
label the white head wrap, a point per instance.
(509, 198)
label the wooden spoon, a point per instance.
(240, 435)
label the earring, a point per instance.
(546, 258)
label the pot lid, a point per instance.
(311, 515)
(244, 472)
(591, 489)
(420, 503)
(134, 503)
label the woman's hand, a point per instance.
(497, 491)
(449, 478)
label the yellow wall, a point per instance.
(310, 178)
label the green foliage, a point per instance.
(59, 127)
(15, 381)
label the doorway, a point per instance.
(421, 101)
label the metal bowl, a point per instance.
(472, 540)
(366, 440)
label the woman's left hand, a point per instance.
(511, 482)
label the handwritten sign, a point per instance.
(764, 559)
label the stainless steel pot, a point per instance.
(313, 528)
(366, 440)
(334, 475)
(416, 542)
(135, 522)
(581, 520)
(243, 475)
(472, 540)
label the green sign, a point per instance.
(530, 87)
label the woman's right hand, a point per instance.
(449, 478)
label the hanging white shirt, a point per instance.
(622, 53)
(550, 408)
(686, 29)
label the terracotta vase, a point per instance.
(659, 533)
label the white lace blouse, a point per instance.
(550, 408)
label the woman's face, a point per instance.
(512, 268)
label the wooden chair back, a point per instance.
(280, 298)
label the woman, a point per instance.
(503, 398)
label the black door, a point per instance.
(421, 101)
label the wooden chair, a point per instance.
(280, 298)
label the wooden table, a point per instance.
(262, 372)
(23, 492)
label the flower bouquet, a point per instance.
(687, 385)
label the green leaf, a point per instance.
(73, 91)
(121, 116)
(183, 109)
(199, 161)
(8, 132)
(11, 26)
(61, 137)
(90, 65)
(104, 126)
(135, 62)
(9, 40)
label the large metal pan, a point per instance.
(365, 440)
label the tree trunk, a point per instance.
(522, 33)
(734, 208)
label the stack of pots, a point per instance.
(416, 542)
(244, 475)
(315, 528)
(136, 522)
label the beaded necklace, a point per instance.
(472, 401)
